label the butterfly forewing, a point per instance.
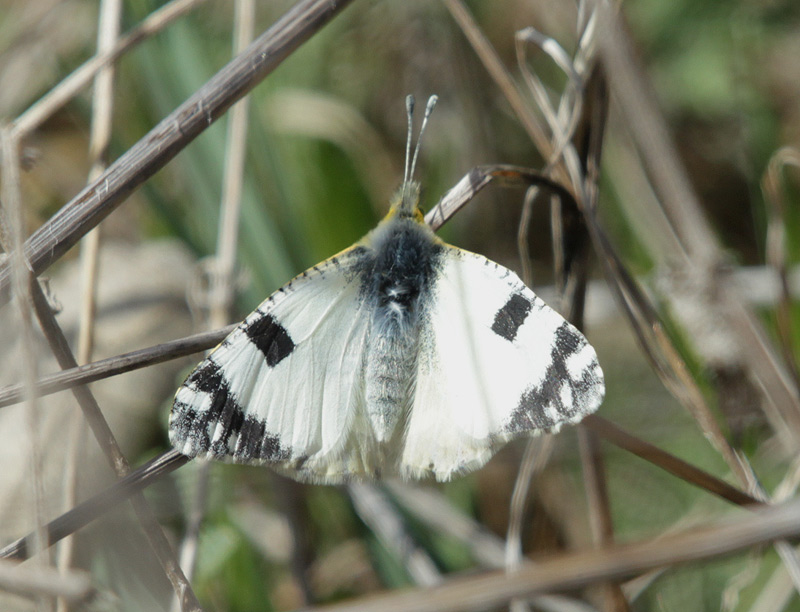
(494, 362)
(285, 386)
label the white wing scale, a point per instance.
(494, 362)
(284, 387)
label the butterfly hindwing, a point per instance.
(494, 362)
(284, 387)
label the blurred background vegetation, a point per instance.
(325, 150)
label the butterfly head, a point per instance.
(405, 202)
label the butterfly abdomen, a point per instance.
(402, 269)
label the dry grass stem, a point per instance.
(118, 364)
(224, 266)
(648, 130)
(776, 208)
(99, 138)
(96, 506)
(599, 506)
(526, 264)
(173, 133)
(701, 253)
(481, 176)
(574, 570)
(534, 459)
(27, 581)
(488, 56)
(108, 444)
(537, 452)
(12, 230)
(57, 97)
(431, 507)
(668, 462)
(380, 515)
(236, 146)
(563, 121)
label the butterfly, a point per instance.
(400, 356)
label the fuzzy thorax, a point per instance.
(404, 253)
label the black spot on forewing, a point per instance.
(271, 338)
(567, 342)
(209, 430)
(511, 316)
(206, 377)
(560, 396)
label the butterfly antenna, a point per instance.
(428, 110)
(409, 114)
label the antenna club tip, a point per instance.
(431, 103)
(408, 175)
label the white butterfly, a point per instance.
(401, 355)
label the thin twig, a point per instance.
(377, 512)
(98, 505)
(12, 231)
(668, 462)
(577, 569)
(99, 138)
(222, 286)
(73, 586)
(776, 249)
(67, 89)
(126, 362)
(701, 252)
(108, 444)
(600, 521)
(172, 134)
